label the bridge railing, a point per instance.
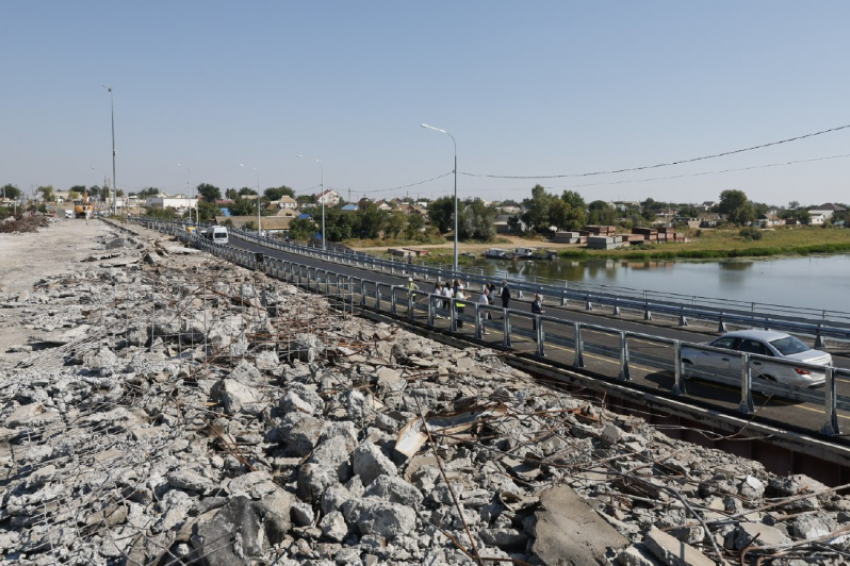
(387, 297)
(800, 320)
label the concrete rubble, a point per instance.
(174, 409)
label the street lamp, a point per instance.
(321, 196)
(259, 225)
(455, 172)
(191, 192)
(114, 179)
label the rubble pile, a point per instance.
(191, 412)
(23, 223)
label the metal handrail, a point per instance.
(829, 398)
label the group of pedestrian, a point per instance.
(444, 291)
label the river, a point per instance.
(820, 282)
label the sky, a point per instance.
(528, 90)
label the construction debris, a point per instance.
(180, 410)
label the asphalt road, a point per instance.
(651, 366)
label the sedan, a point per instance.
(764, 343)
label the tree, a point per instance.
(688, 211)
(46, 192)
(441, 212)
(415, 224)
(231, 194)
(339, 225)
(794, 204)
(207, 211)
(559, 213)
(573, 199)
(305, 199)
(601, 213)
(396, 223)
(476, 221)
(274, 193)
(210, 193)
(736, 207)
(246, 191)
(302, 229)
(10, 191)
(804, 217)
(369, 220)
(536, 213)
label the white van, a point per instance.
(219, 235)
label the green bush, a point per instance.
(750, 233)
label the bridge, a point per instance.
(629, 352)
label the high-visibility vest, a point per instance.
(457, 303)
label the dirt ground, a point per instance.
(26, 258)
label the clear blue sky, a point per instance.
(527, 88)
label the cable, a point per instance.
(702, 173)
(656, 166)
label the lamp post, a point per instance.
(191, 192)
(455, 172)
(259, 224)
(321, 197)
(114, 179)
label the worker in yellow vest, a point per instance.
(412, 288)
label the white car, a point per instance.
(699, 363)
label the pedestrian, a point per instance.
(438, 302)
(484, 299)
(506, 295)
(412, 288)
(448, 294)
(537, 307)
(459, 305)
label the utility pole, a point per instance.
(114, 178)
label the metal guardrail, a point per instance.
(388, 298)
(799, 321)
(819, 322)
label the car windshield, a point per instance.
(789, 345)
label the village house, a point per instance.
(330, 198)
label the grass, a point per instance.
(720, 244)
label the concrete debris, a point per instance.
(180, 410)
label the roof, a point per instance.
(286, 198)
(349, 207)
(829, 206)
(304, 216)
(766, 335)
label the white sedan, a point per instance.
(765, 343)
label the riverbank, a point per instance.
(704, 244)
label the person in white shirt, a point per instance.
(484, 299)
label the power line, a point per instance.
(658, 165)
(703, 173)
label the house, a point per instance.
(330, 198)
(180, 203)
(708, 205)
(769, 220)
(510, 209)
(384, 205)
(709, 220)
(503, 225)
(827, 210)
(285, 202)
(817, 219)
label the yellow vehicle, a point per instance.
(84, 208)
(191, 229)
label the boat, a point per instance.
(533, 253)
(497, 253)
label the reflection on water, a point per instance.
(817, 281)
